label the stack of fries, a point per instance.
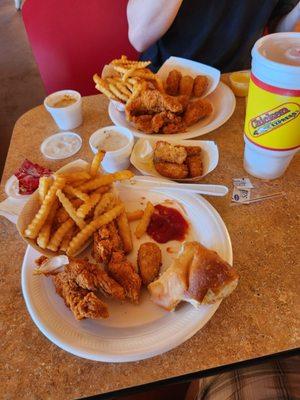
(74, 205)
(129, 79)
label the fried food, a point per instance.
(149, 261)
(105, 180)
(103, 87)
(86, 207)
(107, 202)
(193, 150)
(44, 234)
(123, 272)
(75, 176)
(195, 166)
(196, 110)
(106, 240)
(186, 85)
(144, 222)
(200, 85)
(59, 234)
(44, 185)
(93, 277)
(171, 170)
(67, 238)
(81, 238)
(70, 209)
(134, 215)
(174, 127)
(172, 82)
(83, 303)
(125, 232)
(74, 192)
(96, 163)
(167, 152)
(39, 219)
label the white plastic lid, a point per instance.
(61, 145)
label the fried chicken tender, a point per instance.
(149, 261)
(186, 85)
(171, 170)
(200, 85)
(193, 150)
(168, 152)
(196, 110)
(195, 165)
(83, 304)
(174, 127)
(92, 277)
(123, 272)
(106, 240)
(172, 82)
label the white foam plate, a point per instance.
(209, 154)
(66, 150)
(132, 332)
(222, 100)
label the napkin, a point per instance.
(10, 208)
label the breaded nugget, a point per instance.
(195, 166)
(200, 85)
(173, 127)
(186, 85)
(171, 170)
(183, 100)
(149, 261)
(196, 110)
(168, 152)
(172, 82)
(193, 150)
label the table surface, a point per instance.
(260, 318)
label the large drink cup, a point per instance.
(272, 124)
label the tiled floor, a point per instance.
(21, 87)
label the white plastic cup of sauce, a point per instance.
(65, 108)
(117, 142)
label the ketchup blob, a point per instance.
(167, 224)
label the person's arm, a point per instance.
(289, 21)
(148, 20)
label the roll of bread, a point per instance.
(198, 275)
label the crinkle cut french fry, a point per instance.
(144, 222)
(106, 180)
(107, 200)
(85, 208)
(102, 189)
(125, 232)
(44, 234)
(76, 176)
(78, 241)
(67, 238)
(72, 191)
(96, 163)
(134, 215)
(70, 209)
(44, 185)
(58, 236)
(38, 221)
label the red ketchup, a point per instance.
(167, 224)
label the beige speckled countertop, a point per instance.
(258, 319)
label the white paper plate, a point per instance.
(132, 332)
(222, 100)
(209, 154)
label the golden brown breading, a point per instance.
(123, 272)
(186, 85)
(92, 277)
(200, 85)
(149, 261)
(83, 304)
(196, 110)
(171, 170)
(193, 150)
(106, 240)
(174, 127)
(195, 165)
(172, 82)
(168, 152)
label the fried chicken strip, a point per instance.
(196, 110)
(106, 240)
(123, 272)
(171, 170)
(83, 304)
(92, 277)
(195, 165)
(149, 262)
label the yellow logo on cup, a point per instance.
(273, 119)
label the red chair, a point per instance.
(73, 39)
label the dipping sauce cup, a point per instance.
(65, 107)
